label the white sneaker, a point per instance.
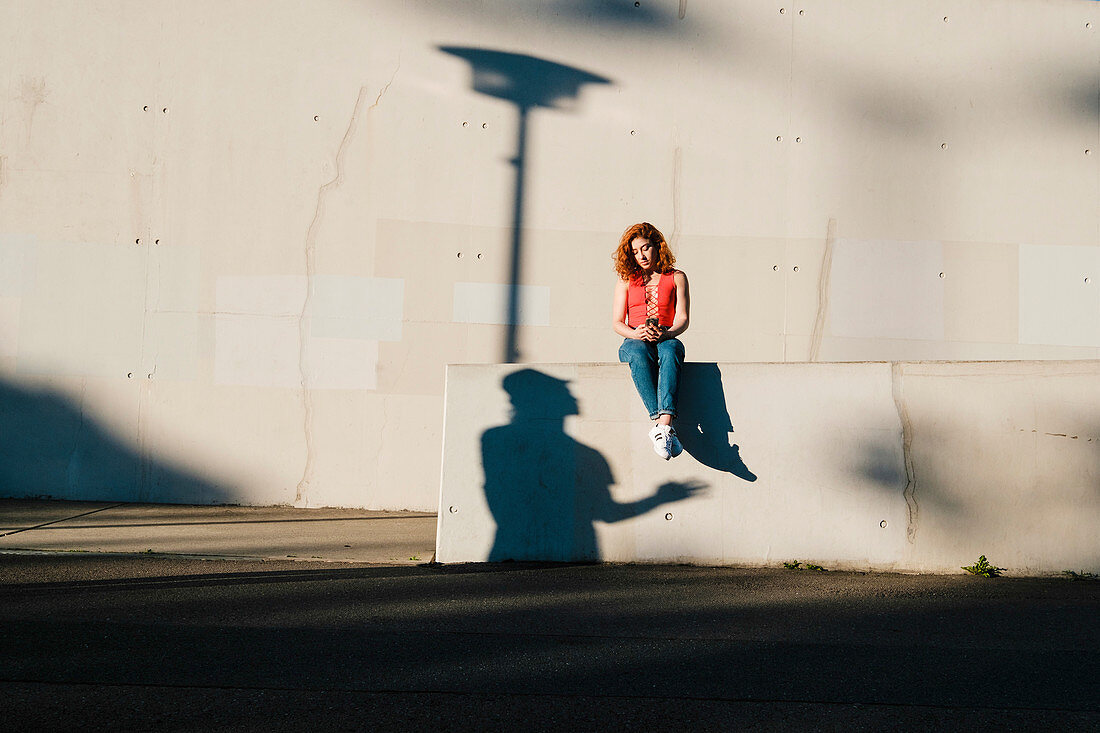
(659, 437)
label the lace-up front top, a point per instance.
(656, 299)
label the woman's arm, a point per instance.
(618, 317)
(683, 307)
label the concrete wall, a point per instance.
(888, 466)
(239, 240)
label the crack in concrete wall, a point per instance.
(302, 489)
(823, 290)
(305, 482)
(910, 492)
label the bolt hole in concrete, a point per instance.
(129, 375)
(145, 108)
(637, 5)
(633, 132)
(1086, 281)
(796, 268)
(453, 510)
(782, 10)
(316, 118)
(668, 517)
(137, 241)
(882, 524)
(945, 20)
(1088, 152)
(941, 276)
(479, 255)
(779, 138)
(801, 12)
(798, 139)
(775, 268)
(943, 146)
(465, 124)
(460, 255)
(165, 110)
(156, 241)
(484, 125)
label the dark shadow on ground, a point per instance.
(544, 488)
(845, 649)
(53, 447)
(703, 422)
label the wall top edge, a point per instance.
(617, 365)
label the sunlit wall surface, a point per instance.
(240, 240)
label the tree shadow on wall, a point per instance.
(51, 447)
(703, 423)
(546, 489)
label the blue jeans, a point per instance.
(655, 368)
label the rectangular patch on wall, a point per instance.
(368, 308)
(254, 351)
(343, 364)
(886, 289)
(260, 295)
(488, 303)
(84, 314)
(258, 331)
(1059, 295)
(17, 253)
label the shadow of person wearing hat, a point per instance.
(546, 489)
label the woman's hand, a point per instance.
(646, 332)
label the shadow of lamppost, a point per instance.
(527, 82)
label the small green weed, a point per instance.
(983, 568)
(797, 565)
(415, 558)
(1080, 576)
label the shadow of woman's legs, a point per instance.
(703, 423)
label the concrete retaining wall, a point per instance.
(909, 466)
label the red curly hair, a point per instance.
(625, 263)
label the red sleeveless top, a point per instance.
(663, 308)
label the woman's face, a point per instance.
(645, 253)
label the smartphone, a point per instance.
(653, 323)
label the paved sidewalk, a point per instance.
(338, 535)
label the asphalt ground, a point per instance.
(148, 642)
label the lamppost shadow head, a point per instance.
(526, 81)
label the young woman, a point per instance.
(650, 311)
